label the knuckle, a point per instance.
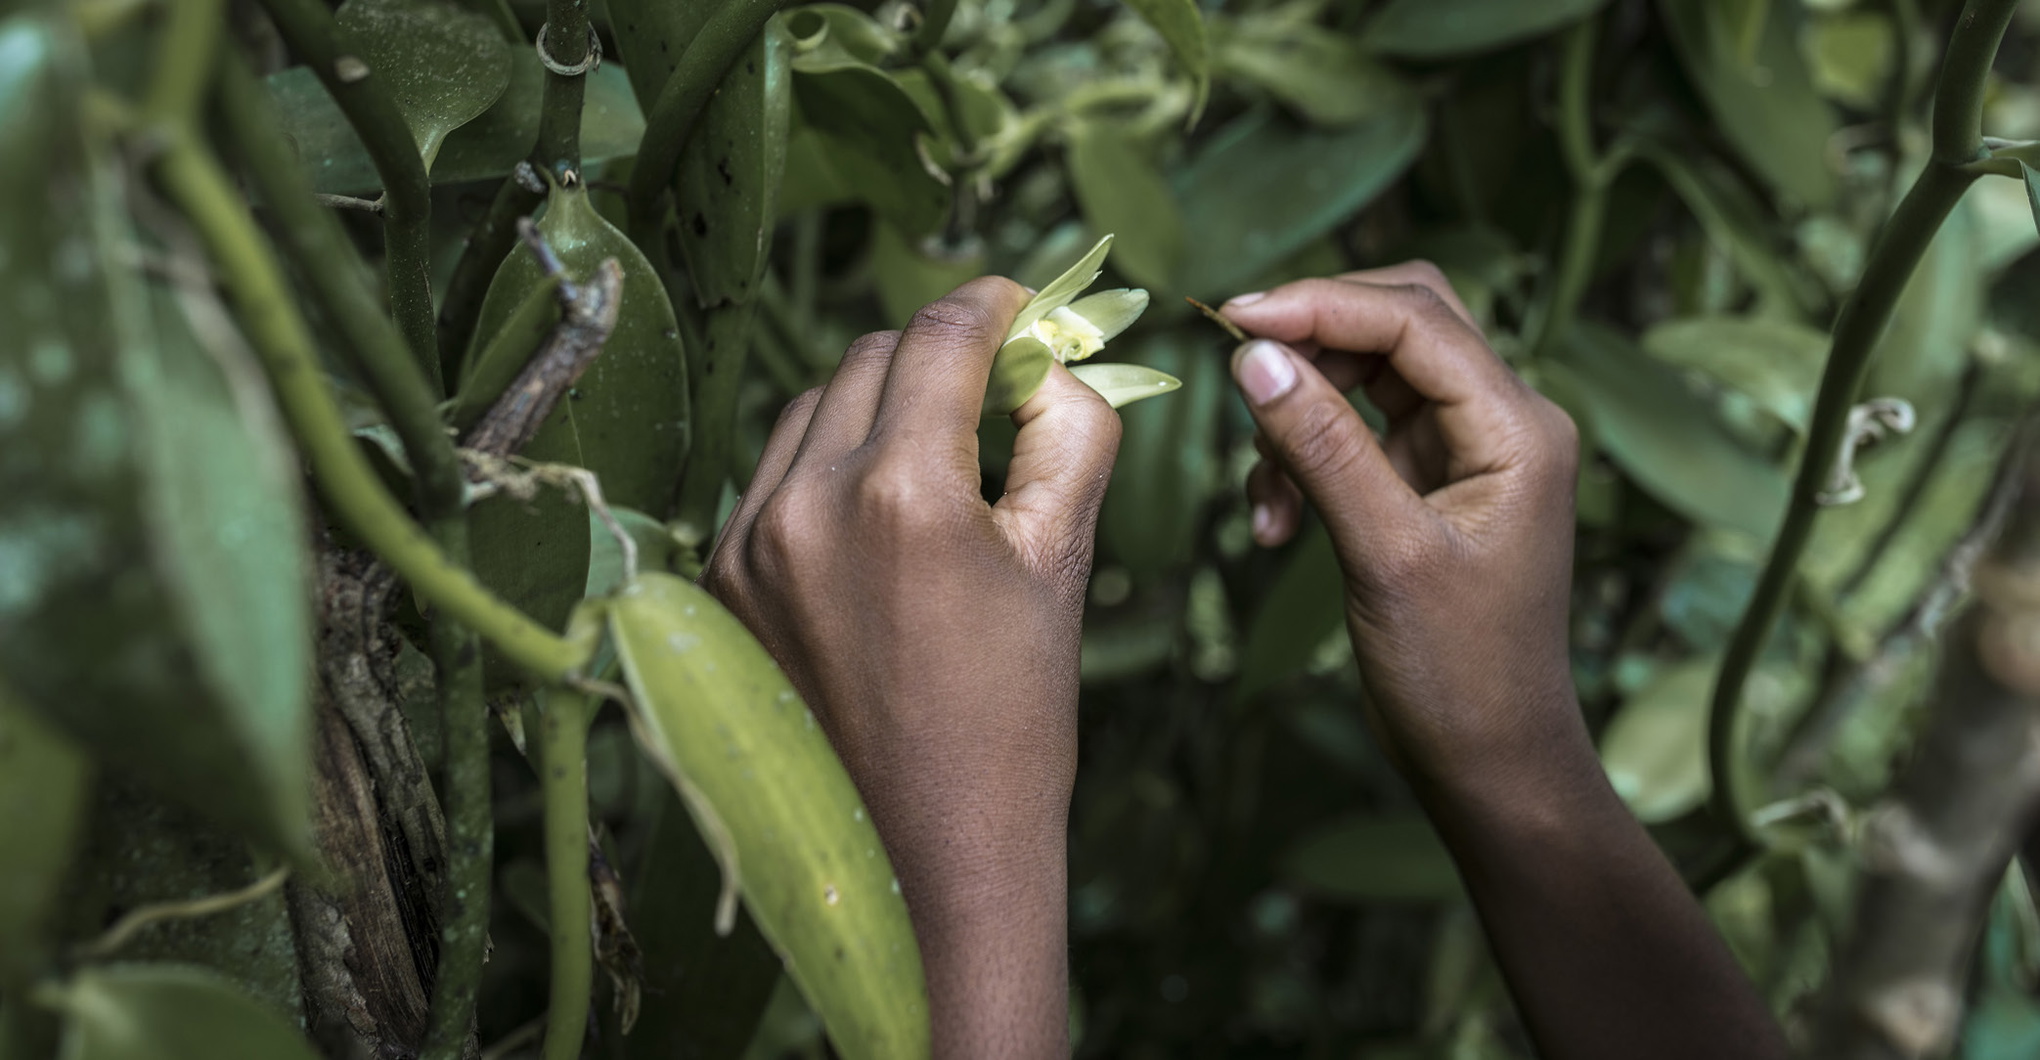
(954, 320)
(1428, 274)
(780, 535)
(799, 408)
(1323, 443)
(893, 496)
(1428, 304)
(876, 344)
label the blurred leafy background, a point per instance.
(1655, 207)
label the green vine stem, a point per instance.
(1958, 141)
(470, 822)
(254, 279)
(1592, 175)
(557, 150)
(671, 120)
(563, 769)
(313, 238)
(559, 117)
(309, 28)
(726, 339)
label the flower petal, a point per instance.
(1017, 372)
(1124, 384)
(1112, 312)
(1063, 289)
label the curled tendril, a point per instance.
(1869, 422)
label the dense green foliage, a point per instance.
(1659, 209)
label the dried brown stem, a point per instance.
(1936, 847)
(589, 315)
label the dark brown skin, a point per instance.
(937, 637)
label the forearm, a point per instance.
(1604, 948)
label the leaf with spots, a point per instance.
(443, 64)
(769, 795)
(153, 589)
(728, 183)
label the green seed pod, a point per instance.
(768, 794)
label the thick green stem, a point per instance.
(316, 243)
(470, 820)
(563, 766)
(253, 278)
(672, 118)
(184, 61)
(715, 373)
(1958, 139)
(559, 118)
(311, 31)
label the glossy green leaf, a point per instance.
(1124, 384)
(486, 148)
(1376, 859)
(1122, 192)
(1737, 224)
(1775, 363)
(1665, 437)
(769, 795)
(44, 780)
(861, 128)
(1766, 105)
(1439, 29)
(729, 174)
(1263, 188)
(630, 408)
(1305, 605)
(169, 1012)
(652, 36)
(443, 63)
(1327, 77)
(1181, 24)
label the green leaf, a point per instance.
(1124, 384)
(1766, 106)
(169, 1012)
(1665, 437)
(1263, 188)
(1306, 605)
(486, 148)
(1376, 859)
(1849, 54)
(1328, 78)
(1738, 224)
(1441, 29)
(44, 781)
(1181, 24)
(1655, 749)
(774, 803)
(2032, 189)
(729, 174)
(911, 273)
(1122, 192)
(1776, 363)
(655, 548)
(855, 135)
(443, 63)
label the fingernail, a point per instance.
(1265, 371)
(1264, 521)
(1244, 300)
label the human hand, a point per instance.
(936, 638)
(1454, 531)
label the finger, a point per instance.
(1420, 274)
(773, 463)
(1482, 406)
(1323, 445)
(1277, 505)
(849, 404)
(1062, 460)
(935, 389)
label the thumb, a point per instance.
(1327, 449)
(1062, 460)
